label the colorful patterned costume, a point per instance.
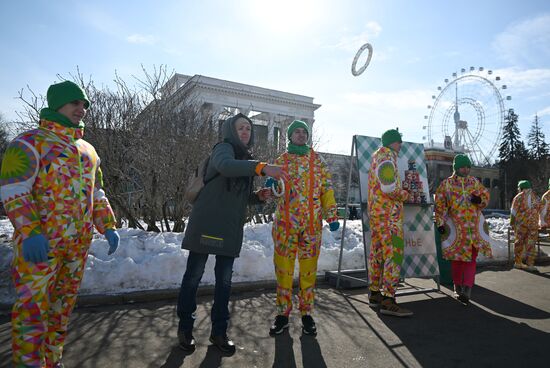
(524, 217)
(452, 201)
(385, 208)
(545, 210)
(298, 226)
(50, 184)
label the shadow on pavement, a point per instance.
(546, 275)
(212, 359)
(123, 333)
(284, 351)
(175, 359)
(502, 304)
(443, 332)
(311, 353)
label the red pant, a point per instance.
(464, 273)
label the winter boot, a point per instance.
(186, 341)
(281, 322)
(389, 307)
(531, 268)
(457, 290)
(375, 298)
(464, 297)
(308, 325)
(223, 343)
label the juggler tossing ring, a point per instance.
(354, 70)
(281, 185)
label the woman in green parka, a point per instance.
(216, 227)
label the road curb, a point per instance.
(142, 296)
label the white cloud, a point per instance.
(526, 42)
(354, 42)
(544, 112)
(527, 80)
(141, 39)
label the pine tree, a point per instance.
(511, 146)
(538, 148)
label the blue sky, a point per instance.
(298, 46)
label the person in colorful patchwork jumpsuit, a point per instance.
(51, 188)
(460, 198)
(524, 217)
(544, 217)
(385, 209)
(297, 228)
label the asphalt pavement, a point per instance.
(506, 325)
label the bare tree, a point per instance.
(32, 105)
(149, 145)
(4, 139)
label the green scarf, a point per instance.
(297, 150)
(51, 115)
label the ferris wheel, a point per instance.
(468, 114)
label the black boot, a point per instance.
(375, 298)
(281, 322)
(186, 341)
(464, 297)
(308, 325)
(223, 343)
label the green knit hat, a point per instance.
(461, 160)
(296, 124)
(62, 93)
(391, 136)
(524, 184)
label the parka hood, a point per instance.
(229, 133)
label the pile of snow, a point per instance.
(147, 260)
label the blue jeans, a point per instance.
(187, 299)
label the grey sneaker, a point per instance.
(389, 307)
(531, 268)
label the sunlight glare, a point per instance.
(286, 16)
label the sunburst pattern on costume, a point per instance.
(48, 187)
(461, 218)
(16, 165)
(386, 173)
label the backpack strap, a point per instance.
(208, 162)
(206, 181)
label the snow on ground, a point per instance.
(147, 260)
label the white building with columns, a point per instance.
(270, 110)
